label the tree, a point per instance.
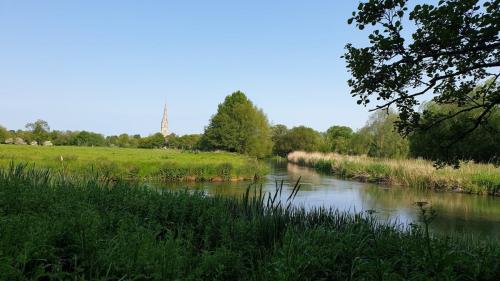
(63, 137)
(238, 126)
(379, 139)
(483, 144)
(454, 47)
(154, 141)
(300, 138)
(39, 129)
(189, 142)
(4, 134)
(278, 133)
(338, 138)
(85, 138)
(360, 142)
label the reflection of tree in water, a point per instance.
(309, 176)
(455, 212)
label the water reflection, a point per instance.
(457, 213)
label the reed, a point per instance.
(57, 227)
(469, 178)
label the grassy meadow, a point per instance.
(469, 178)
(55, 227)
(130, 163)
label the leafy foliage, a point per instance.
(385, 141)
(124, 140)
(483, 144)
(39, 130)
(454, 47)
(298, 138)
(238, 126)
(4, 134)
(338, 138)
(154, 141)
(186, 142)
(85, 138)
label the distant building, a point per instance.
(164, 122)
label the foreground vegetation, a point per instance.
(469, 178)
(153, 164)
(61, 228)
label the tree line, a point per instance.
(239, 126)
(39, 133)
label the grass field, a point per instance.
(167, 165)
(65, 228)
(469, 178)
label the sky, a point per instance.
(109, 66)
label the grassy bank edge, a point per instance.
(142, 164)
(416, 173)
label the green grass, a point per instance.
(160, 164)
(469, 178)
(63, 228)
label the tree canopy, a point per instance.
(483, 144)
(4, 134)
(238, 126)
(338, 138)
(384, 141)
(85, 138)
(39, 130)
(453, 47)
(154, 141)
(298, 138)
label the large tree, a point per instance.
(384, 141)
(39, 129)
(338, 138)
(238, 126)
(445, 52)
(483, 144)
(299, 138)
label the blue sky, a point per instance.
(108, 66)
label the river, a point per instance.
(457, 214)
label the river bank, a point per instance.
(469, 178)
(164, 165)
(68, 228)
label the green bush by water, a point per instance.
(57, 227)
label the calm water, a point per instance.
(456, 213)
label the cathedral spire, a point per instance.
(164, 122)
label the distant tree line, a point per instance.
(39, 133)
(239, 126)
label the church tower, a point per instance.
(164, 122)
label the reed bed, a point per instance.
(58, 227)
(469, 178)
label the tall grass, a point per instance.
(55, 227)
(469, 178)
(153, 164)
